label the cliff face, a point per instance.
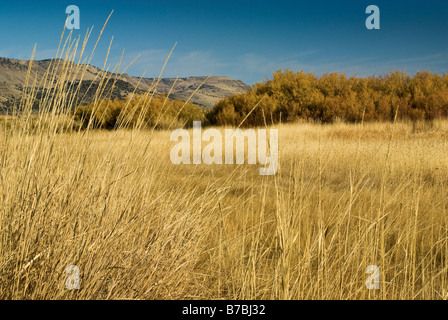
(13, 74)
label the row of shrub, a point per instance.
(141, 110)
(287, 97)
(296, 96)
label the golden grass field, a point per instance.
(138, 227)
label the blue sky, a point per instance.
(246, 40)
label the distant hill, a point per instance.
(13, 74)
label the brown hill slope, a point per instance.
(13, 73)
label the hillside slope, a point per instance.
(13, 74)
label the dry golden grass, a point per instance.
(138, 227)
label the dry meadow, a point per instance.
(138, 227)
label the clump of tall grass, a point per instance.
(50, 203)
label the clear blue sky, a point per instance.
(245, 40)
